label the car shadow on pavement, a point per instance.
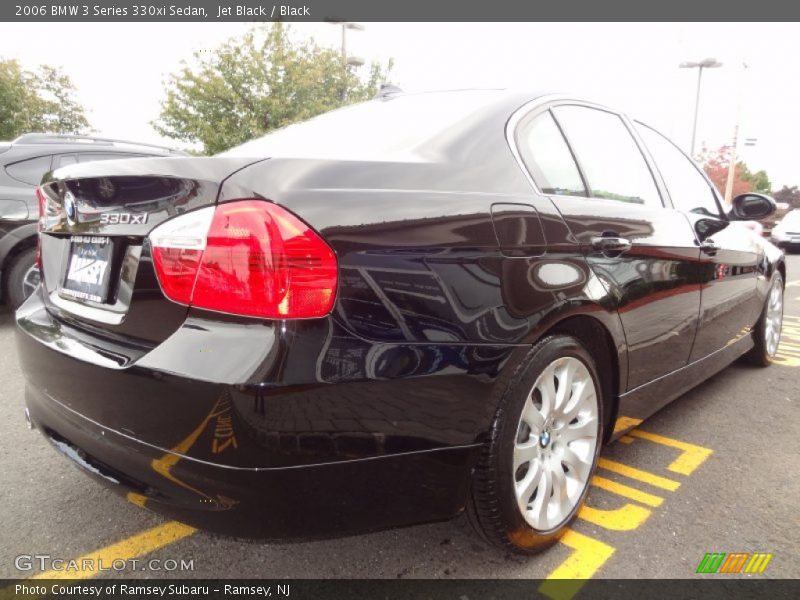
(6, 316)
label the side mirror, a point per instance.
(752, 207)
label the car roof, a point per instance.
(395, 126)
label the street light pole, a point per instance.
(347, 61)
(708, 63)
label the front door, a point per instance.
(729, 251)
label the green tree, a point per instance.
(715, 163)
(42, 100)
(257, 83)
(758, 180)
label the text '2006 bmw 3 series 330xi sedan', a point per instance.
(390, 314)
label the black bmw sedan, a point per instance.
(390, 314)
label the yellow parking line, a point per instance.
(626, 518)
(638, 474)
(588, 556)
(691, 457)
(127, 549)
(137, 499)
(624, 422)
(626, 491)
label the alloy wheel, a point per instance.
(31, 280)
(555, 445)
(773, 319)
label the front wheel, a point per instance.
(767, 332)
(534, 473)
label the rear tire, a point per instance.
(534, 472)
(23, 277)
(767, 331)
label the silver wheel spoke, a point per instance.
(532, 417)
(565, 375)
(547, 389)
(585, 429)
(584, 392)
(560, 492)
(542, 500)
(526, 452)
(577, 466)
(529, 483)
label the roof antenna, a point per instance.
(388, 89)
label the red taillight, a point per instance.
(248, 257)
(41, 200)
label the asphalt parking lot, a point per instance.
(715, 471)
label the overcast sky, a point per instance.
(119, 68)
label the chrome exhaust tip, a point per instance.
(31, 426)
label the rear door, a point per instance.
(729, 256)
(643, 252)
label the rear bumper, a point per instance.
(282, 503)
(300, 456)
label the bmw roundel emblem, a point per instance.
(71, 208)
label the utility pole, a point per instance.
(735, 141)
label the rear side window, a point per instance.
(612, 162)
(688, 189)
(548, 158)
(64, 160)
(29, 171)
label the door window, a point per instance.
(29, 171)
(688, 189)
(548, 157)
(610, 158)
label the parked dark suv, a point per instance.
(393, 313)
(23, 163)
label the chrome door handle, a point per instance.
(611, 245)
(709, 247)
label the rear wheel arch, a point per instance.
(600, 344)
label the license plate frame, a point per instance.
(88, 271)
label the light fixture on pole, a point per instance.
(708, 63)
(345, 25)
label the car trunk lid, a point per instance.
(97, 269)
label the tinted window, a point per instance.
(614, 167)
(548, 158)
(689, 190)
(63, 160)
(30, 171)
